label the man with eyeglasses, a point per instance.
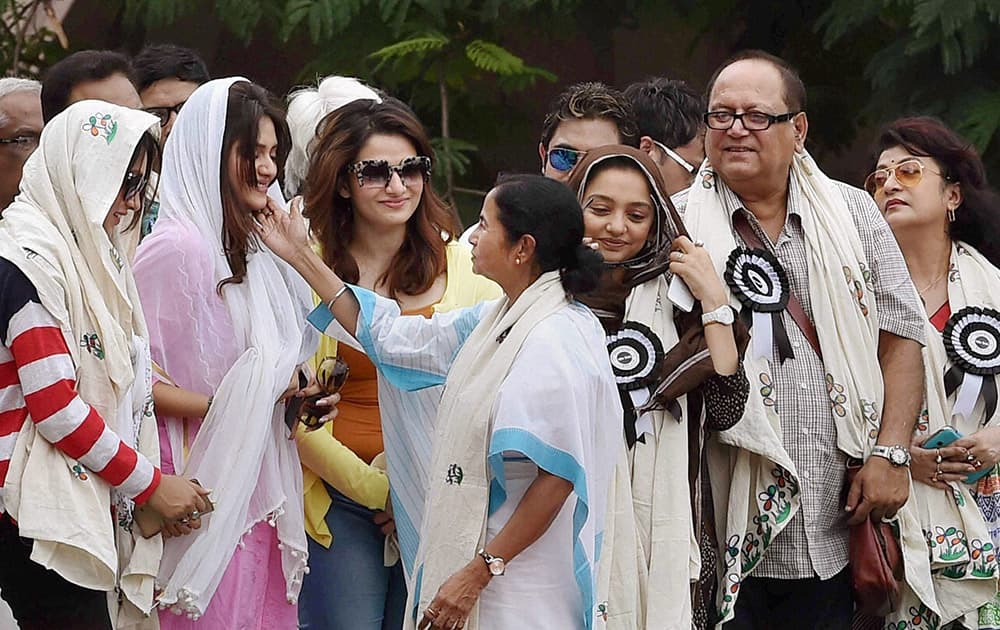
(166, 76)
(20, 126)
(671, 127)
(839, 369)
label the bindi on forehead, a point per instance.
(897, 155)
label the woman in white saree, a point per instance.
(519, 476)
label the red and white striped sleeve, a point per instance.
(46, 375)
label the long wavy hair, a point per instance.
(248, 104)
(977, 219)
(339, 138)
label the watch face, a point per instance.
(496, 566)
(898, 455)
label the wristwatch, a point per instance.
(722, 315)
(896, 454)
(495, 564)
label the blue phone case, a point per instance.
(942, 437)
(945, 436)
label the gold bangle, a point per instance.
(336, 296)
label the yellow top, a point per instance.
(324, 458)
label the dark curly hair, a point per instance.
(582, 101)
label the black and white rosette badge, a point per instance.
(972, 341)
(760, 283)
(636, 354)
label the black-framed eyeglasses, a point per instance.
(752, 121)
(22, 143)
(378, 173)
(563, 159)
(134, 184)
(163, 113)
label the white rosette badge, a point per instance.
(760, 283)
(972, 341)
(636, 353)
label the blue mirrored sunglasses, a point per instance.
(564, 159)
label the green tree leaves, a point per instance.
(938, 59)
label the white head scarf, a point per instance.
(306, 108)
(241, 451)
(54, 233)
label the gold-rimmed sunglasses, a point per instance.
(908, 173)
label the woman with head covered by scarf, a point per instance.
(78, 447)
(226, 322)
(675, 377)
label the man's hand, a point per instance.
(878, 491)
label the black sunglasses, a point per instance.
(163, 113)
(378, 173)
(133, 184)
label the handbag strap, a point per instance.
(794, 307)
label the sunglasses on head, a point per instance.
(908, 173)
(564, 159)
(673, 155)
(163, 113)
(378, 173)
(134, 183)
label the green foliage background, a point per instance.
(475, 71)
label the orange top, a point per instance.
(358, 424)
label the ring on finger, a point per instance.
(938, 459)
(680, 256)
(699, 243)
(970, 457)
(195, 515)
(977, 464)
(184, 521)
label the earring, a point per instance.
(517, 261)
(951, 215)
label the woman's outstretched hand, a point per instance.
(284, 233)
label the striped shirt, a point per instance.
(38, 381)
